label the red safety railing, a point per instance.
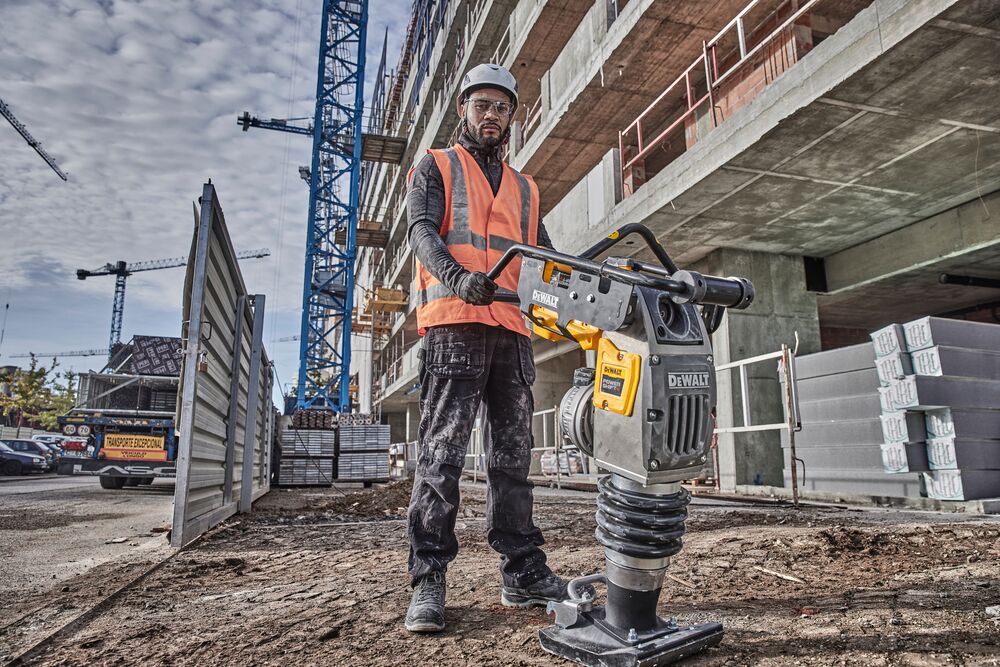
(678, 107)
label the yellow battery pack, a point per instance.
(617, 378)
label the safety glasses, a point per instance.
(482, 106)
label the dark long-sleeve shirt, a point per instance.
(425, 213)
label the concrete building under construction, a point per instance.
(841, 154)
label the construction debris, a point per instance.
(880, 583)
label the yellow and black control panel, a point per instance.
(617, 378)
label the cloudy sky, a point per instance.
(137, 101)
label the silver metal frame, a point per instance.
(212, 439)
(790, 402)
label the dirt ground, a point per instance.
(318, 577)
(55, 528)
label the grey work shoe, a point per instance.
(550, 588)
(426, 612)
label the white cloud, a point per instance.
(137, 100)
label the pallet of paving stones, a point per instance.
(367, 437)
(306, 471)
(308, 442)
(363, 467)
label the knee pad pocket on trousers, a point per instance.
(454, 365)
(445, 454)
(526, 359)
(455, 352)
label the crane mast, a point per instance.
(334, 198)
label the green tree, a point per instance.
(62, 398)
(29, 392)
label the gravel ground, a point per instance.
(318, 577)
(53, 528)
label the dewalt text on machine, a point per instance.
(644, 413)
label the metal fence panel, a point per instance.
(224, 410)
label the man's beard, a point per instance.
(490, 141)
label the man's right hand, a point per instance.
(476, 289)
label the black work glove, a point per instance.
(476, 289)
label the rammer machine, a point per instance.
(644, 412)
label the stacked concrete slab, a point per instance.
(947, 372)
(363, 454)
(839, 446)
(307, 457)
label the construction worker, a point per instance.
(465, 206)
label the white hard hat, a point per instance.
(488, 76)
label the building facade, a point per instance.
(842, 154)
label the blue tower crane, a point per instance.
(334, 197)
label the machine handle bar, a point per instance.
(506, 296)
(587, 266)
(626, 230)
(688, 286)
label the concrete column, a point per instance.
(782, 307)
(397, 425)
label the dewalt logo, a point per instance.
(544, 298)
(687, 380)
(614, 371)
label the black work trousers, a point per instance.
(463, 365)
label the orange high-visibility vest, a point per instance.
(477, 229)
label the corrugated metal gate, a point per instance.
(226, 420)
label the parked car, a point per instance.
(17, 463)
(55, 449)
(64, 445)
(53, 441)
(33, 447)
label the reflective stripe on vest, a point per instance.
(478, 228)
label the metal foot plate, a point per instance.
(588, 644)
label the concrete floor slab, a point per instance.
(794, 135)
(768, 198)
(883, 138)
(941, 162)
